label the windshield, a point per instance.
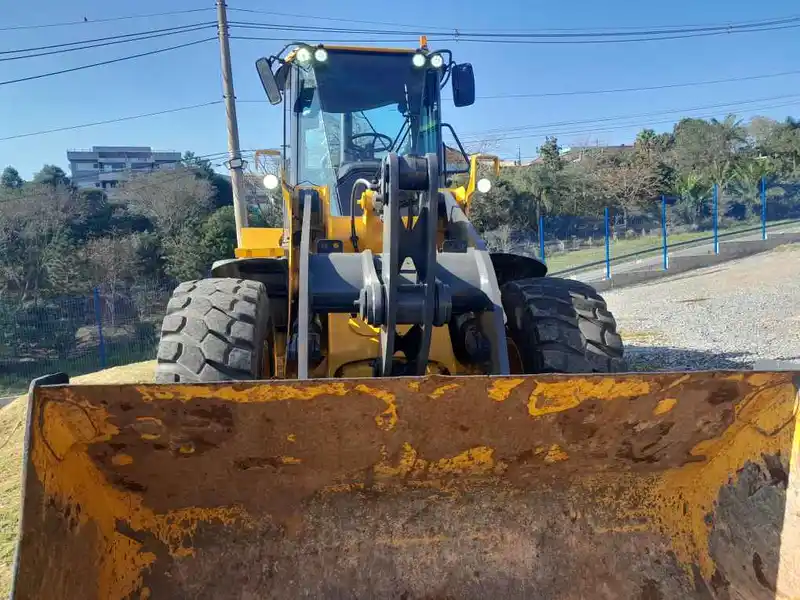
(353, 109)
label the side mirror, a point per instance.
(268, 81)
(463, 84)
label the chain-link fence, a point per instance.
(78, 334)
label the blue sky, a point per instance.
(192, 75)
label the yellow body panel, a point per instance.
(662, 485)
(352, 343)
(261, 242)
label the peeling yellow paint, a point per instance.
(413, 386)
(388, 418)
(264, 392)
(664, 406)
(291, 438)
(121, 460)
(442, 390)
(290, 460)
(555, 454)
(501, 388)
(556, 396)
(69, 475)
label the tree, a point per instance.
(550, 153)
(113, 264)
(218, 235)
(201, 165)
(747, 179)
(169, 199)
(628, 185)
(10, 179)
(693, 192)
(32, 231)
(51, 175)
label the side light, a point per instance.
(320, 55)
(271, 181)
(418, 60)
(484, 185)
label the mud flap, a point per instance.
(550, 487)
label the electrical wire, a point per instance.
(106, 20)
(127, 39)
(620, 30)
(106, 38)
(733, 104)
(636, 124)
(108, 121)
(541, 38)
(106, 62)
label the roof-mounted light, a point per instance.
(418, 60)
(320, 55)
(303, 56)
(437, 61)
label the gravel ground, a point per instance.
(722, 317)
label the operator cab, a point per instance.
(346, 108)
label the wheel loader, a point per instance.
(368, 403)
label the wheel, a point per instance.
(560, 326)
(216, 330)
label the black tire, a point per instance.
(215, 330)
(560, 326)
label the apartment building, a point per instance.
(105, 167)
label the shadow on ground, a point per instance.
(665, 358)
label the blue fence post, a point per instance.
(763, 207)
(608, 248)
(664, 230)
(716, 219)
(541, 239)
(98, 315)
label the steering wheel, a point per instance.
(367, 151)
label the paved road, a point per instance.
(655, 261)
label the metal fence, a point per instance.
(601, 243)
(78, 334)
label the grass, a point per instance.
(16, 382)
(12, 434)
(566, 260)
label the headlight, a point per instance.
(484, 185)
(271, 181)
(303, 56)
(320, 55)
(437, 61)
(418, 60)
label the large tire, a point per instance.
(560, 326)
(215, 330)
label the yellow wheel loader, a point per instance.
(367, 403)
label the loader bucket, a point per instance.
(654, 486)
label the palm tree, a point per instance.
(693, 191)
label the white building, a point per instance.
(105, 167)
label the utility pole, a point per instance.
(235, 162)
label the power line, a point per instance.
(622, 126)
(106, 62)
(733, 104)
(541, 37)
(621, 30)
(109, 121)
(106, 20)
(641, 89)
(105, 38)
(62, 48)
